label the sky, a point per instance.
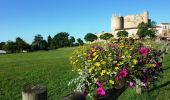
(27, 18)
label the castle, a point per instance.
(130, 23)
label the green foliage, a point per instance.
(61, 40)
(80, 41)
(143, 30)
(72, 40)
(11, 47)
(1, 45)
(39, 43)
(122, 34)
(49, 40)
(106, 36)
(90, 37)
(21, 44)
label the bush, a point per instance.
(102, 68)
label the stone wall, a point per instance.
(134, 20)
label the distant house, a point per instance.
(2, 52)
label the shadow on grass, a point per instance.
(160, 86)
(166, 68)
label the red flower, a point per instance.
(143, 51)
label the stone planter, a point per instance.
(121, 84)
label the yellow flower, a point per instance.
(110, 59)
(116, 68)
(120, 63)
(94, 54)
(95, 57)
(76, 60)
(123, 56)
(103, 62)
(126, 52)
(74, 63)
(135, 61)
(90, 70)
(111, 82)
(84, 54)
(110, 55)
(129, 56)
(93, 50)
(103, 72)
(97, 64)
(108, 73)
(88, 60)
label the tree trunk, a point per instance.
(34, 93)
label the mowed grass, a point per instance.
(49, 68)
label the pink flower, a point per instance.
(118, 76)
(124, 72)
(99, 83)
(101, 91)
(143, 51)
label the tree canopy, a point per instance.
(146, 29)
(39, 43)
(80, 41)
(90, 37)
(106, 36)
(122, 34)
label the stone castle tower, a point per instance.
(127, 22)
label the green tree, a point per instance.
(72, 40)
(61, 40)
(147, 29)
(21, 44)
(106, 36)
(39, 43)
(11, 47)
(90, 37)
(80, 41)
(122, 34)
(142, 30)
(49, 40)
(1, 45)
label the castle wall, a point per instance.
(134, 20)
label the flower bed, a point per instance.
(115, 65)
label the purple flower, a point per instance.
(145, 70)
(99, 83)
(157, 64)
(131, 84)
(143, 51)
(101, 91)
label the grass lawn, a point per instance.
(50, 68)
(53, 70)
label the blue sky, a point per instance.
(26, 18)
